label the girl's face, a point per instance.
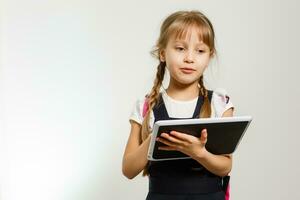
(186, 59)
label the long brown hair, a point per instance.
(177, 24)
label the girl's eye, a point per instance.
(179, 48)
(201, 51)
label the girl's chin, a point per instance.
(187, 81)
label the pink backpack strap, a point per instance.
(145, 106)
(226, 187)
(227, 195)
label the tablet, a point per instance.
(224, 135)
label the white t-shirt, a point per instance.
(220, 102)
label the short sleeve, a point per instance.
(220, 102)
(137, 112)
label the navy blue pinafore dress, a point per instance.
(183, 179)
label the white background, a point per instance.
(72, 70)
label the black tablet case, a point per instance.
(223, 137)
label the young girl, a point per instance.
(185, 47)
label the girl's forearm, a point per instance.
(217, 164)
(135, 162)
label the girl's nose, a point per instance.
(189, 57)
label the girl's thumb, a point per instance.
(203, 136)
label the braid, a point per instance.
(205, 110)
(152, 100)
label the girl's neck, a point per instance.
(183, 92)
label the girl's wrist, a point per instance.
(203, 154)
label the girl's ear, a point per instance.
(162, 56)
(212, 54)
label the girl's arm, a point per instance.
(195, 148)
(135, 155)
(218, 164)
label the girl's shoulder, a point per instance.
(220, 94)
(139, 109)
(220, 102)
(136, 111)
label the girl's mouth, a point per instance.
(187, 70)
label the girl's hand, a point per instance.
(187, 144)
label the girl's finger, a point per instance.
(181, 136)
(203, 136)
(165, 141)
(171, 138)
